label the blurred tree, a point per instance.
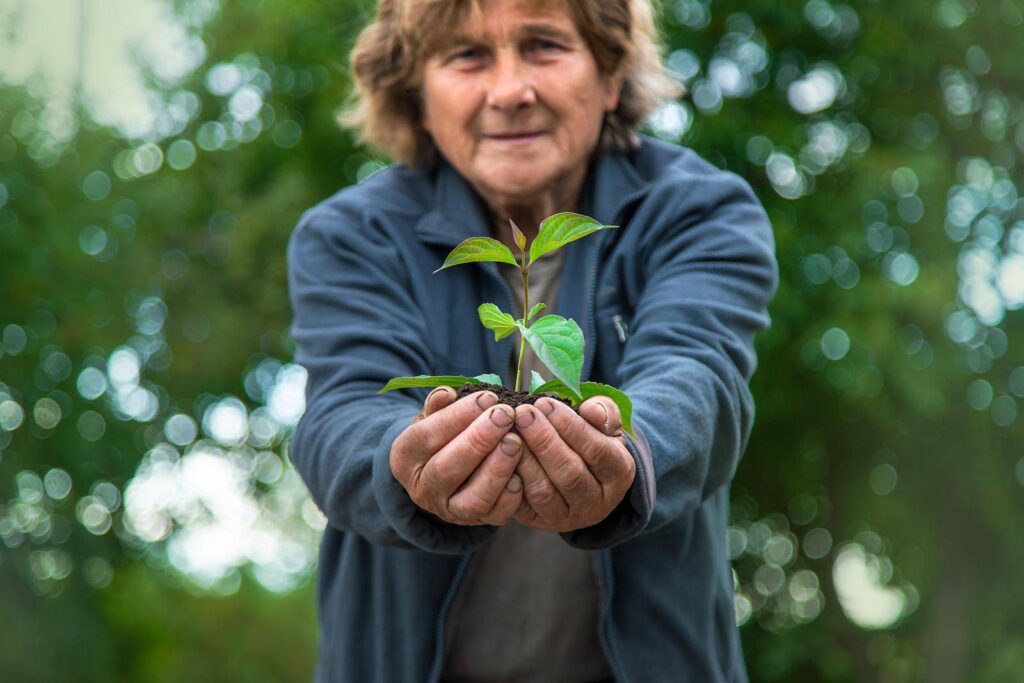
(152, 528)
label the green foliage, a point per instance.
(536, 380)
(558, 344)
(454, 381)
(493, 318)
(518, 236)
(892, 370)
(589, 390)
(561, 229)
(479, 249)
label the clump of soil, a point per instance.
(507, 396)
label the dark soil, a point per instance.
(507, 396)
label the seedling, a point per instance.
(557, 341)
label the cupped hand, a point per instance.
(575, 468)
(457, 460)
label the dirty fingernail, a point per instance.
(515, 484)
(439, 390)
(510, 445)
(501, 416)
(525, 418)
(546, 406)
(486, 399)
(607, 426)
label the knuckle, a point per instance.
(540, 493)
(503, 510)
(469, 507)
(478, 441)
(429, 504)
(440, 473)
(526, 514)
(598, 458)
(418, 441)
(543, 442)
(570, 472)
(456, 510)
(427, 499)
(575, 484)
(575, 430)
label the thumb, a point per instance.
(603, 414)
(436, 400)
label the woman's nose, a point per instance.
(510, 86)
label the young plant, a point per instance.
(557, 341)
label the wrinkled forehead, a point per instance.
(434, 25)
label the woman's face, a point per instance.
(516, 102)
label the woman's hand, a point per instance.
(575, 467)
(457, 460)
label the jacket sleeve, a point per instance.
(356, 327)
(709, 272)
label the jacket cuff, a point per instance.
(414, 525)
(631, 515)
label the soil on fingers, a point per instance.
(507, 396)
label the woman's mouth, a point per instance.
(514, 138)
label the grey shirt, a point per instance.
(528, 607)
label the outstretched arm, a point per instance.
(710, 273)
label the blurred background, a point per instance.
(156, 154)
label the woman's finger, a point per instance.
(602, 413)
(476, 498)
(417, 445)
(563, 465)
(508, 502)
(436, 400)
(524, 510)
(605, 456)
(539, 493)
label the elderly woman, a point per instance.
(468, 541)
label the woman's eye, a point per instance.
(543, 45)
(469, 53)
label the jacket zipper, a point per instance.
(592, 273)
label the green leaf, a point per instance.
(454, 381)
(558, 230)
(493, 318)
(489, 379)
(535, 310)
(588, 390)
(479, 249)
(535, 381)
(518, 235)
(558, 344)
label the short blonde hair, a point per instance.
(388, 57)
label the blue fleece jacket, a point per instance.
(669, 304)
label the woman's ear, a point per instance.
(613, 90)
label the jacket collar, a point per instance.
(459, 212)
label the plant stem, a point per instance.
(525, 270)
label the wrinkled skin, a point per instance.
(559, 471)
